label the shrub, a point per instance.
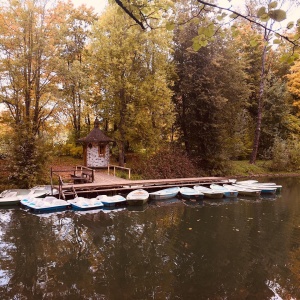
(69, 149)
(285, 155)
(27, 159)
(167, 163)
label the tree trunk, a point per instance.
(260, 106)
(121, 143)
(184, 119)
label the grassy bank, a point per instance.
(261, 168)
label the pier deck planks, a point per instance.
(108, 183)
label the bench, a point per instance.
(82, 178)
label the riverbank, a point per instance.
(262, 168)
(237, 169)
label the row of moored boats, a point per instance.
(44, 198)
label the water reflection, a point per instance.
(210, 249)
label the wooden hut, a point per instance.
(96, 152)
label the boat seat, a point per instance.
(11, 194)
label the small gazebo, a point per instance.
(96, 148)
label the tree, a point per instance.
(131, 73)
(294, 84)
(207, 97)
(262, 19)
(142, 12)
(75, 72)
(29, 47)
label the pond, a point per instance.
(215, 249)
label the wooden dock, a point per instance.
(108, 184)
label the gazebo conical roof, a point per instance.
(96, 135)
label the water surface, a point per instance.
(223, 249)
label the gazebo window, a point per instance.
(101, 149)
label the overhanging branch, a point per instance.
(144, 24)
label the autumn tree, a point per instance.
(75, 73)
(29, 46)
(131, 73)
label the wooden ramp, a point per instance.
(108, 184)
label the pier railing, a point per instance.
(77, 174)
(74, 175)
(114, 167)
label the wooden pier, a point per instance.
(108, 184)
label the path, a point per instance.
(102, 177)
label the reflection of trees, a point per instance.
(234, 250)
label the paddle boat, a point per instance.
(263, 190)
(227, 193)
(111, 201)
(137, 197)
(263, 185)
(14, 196)
(243, 190)
(189, 193)
(246, 182)
(49, 203)
(209, 193)
(255, 183)
(82, 203)
(164, 194)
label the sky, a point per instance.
(97, 4)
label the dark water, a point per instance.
(242, 249)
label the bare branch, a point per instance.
(130, 14)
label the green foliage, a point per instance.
(132, 73)
(286, 155)
(27, 158)
(69, 149)
(278, 15)
(209, 104)
(244, 168)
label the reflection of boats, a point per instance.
(189, 193)
(243, 190)
(209, 193)
(137, 197)
(14, 196)
(111, 200)
(49, 203)
(137, 208)
(81, 203)
(227, 193)
(165, 193)
(110, 209)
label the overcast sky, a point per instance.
(97, 4)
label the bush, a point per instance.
(27, 158)
(167, 163)
(69, 149)
(285, 155)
